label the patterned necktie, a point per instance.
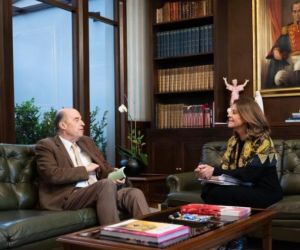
(78, 160)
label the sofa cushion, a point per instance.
(17, 177)
(286, 223)
(182, 197)
(290, 180)
(3, 239)
(212, 152)
(288, 208)
(279, 149)
(20, 227)
(286, 234)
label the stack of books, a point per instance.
(295, 117)
(226, 213)
(146, 233)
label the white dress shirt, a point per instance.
(86, 160)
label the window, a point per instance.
(46, 58)
(104, 8)
(102, 78)
(42, 49)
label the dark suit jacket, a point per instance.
(57, 174)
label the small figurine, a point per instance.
(234, 88)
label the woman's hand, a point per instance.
(204, 171)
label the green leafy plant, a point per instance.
(31, 126)
(47, 124)
(27, 116)
(135, 138)
(97, 129)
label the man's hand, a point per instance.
(119, 182)
(91, 167)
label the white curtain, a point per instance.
(138, 62)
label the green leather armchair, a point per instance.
(184, 187)
(22, 224)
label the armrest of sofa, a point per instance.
(184, 188)
(186, 181)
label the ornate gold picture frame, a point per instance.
(276, 47)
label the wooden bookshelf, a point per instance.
(186, 78)
(183, 63)
(187, 70)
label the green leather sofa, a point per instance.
(22, 224)
(185, 188)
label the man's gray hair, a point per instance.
(58, 117)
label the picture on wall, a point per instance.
(276, 33)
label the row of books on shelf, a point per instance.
(174, 11)
(186, 79)
(177, 228)
(182, 42)
(183, 116)
(295, 117)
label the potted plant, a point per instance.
(135, 158)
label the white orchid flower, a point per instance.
(122, 108)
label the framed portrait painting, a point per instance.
(276, 34)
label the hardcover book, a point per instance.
(216, 210)
(148, 231)
(145, 243)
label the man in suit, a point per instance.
(72, 174)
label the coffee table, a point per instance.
(260, 219)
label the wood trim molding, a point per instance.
(81, 90)
(61, 5)
(7, 118)
(97, 17)
(121, 78)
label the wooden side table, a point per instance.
(153, 185)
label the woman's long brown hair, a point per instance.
(252, 115)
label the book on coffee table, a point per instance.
(220, 211)
(146, 231)
(145, 243)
